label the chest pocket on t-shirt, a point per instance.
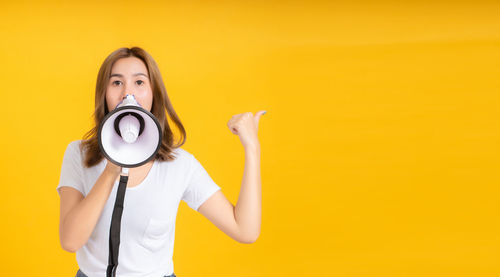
(158, 233)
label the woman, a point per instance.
(88, 181)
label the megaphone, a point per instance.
(129, 136)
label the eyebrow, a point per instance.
(120, 75)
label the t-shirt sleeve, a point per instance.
(71, 169)
(200, 185)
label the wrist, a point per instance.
(253, 149)
(112, 171)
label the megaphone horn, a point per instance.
(129, 136)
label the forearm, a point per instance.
(80, 222)
(248, 208)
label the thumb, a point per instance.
(257, 117)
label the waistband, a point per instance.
(79, 273)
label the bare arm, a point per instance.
(242, 223)
(79, 214)
(248, 209)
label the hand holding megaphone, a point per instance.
(113, 168)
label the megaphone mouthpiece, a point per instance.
(129, 128)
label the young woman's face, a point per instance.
(129, 76)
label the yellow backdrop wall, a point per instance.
(379, 147)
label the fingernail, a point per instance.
(264, 112)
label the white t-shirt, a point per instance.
(149, 213)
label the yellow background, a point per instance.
(380, 148)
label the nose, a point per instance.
(130, 96)
(127, 90)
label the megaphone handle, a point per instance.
(124, 171)
(114, 231)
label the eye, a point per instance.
(142, 82)
(114, 82)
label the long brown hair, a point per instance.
(161, 102)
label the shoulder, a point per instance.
(75, 151)
(182, 155)
(74, 147)
(183, 161)
(179, 151)
(75, 144)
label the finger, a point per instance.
(257, 118)
(232, 128)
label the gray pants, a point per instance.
(79, 273)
